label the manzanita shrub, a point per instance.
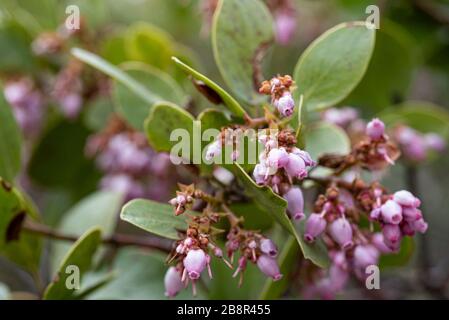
(270, 182)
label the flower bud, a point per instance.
(341, 231)
(295, 202)
(268, 247)
(315, 225)
(305, 156)
(365, 255)
(172, 282)
(420, 225)
(392, 235)
(391, 212)
(411, 214)
(285, 22)
(378, 241)
(285, 104)
(375, 214)
(295, 168)
(195, 262)
(375, 129)
(269, 267)
(260, 173)
(277, 158)
(406, 198)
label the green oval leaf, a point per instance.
(80, 254)
(228, 100)
(163, 119)
(331, 67)
(154, 217)
(276, 206)
(10, 142)
(147, 43)
(242, 31)
(324, 137)
(133, 107)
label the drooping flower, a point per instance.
(269, 267)
(341, 231)
(295, 203)
(315, 225)
(375, 129)
(172, 281)
(194, 263)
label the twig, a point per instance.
(117, 240)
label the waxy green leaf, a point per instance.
(154, 217)
(331, 67)
(164, 118)
(80, 256)
(133, 107)
(242, 32)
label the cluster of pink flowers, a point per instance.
(27, 104)
(129, 163)
(351, 247)
(276, 162)
(254, 248)
(280, 90)
(192, 254)
(416, 146)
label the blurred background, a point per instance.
(70, 131)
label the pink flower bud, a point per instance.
(277, 158)
(375, 214)
(392, 236)
(285, 104)
(285, 22)
(295, 202)
(296, 168)
(341, 231)
(195, 262)
(172, 282)
(338, 277)
(375, 129)
(378, 241)
(260, 173)
(391, 212)
(315, 225)
(269, 267)
(268, 247)
(406, 198)
(365, 255)
(420, 225)
(218, 252)
(411, 214)
(305, 156)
